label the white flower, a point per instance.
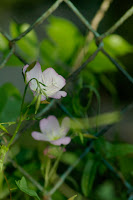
(52, 132)
(50, 82)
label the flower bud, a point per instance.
(38, 103)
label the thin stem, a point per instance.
(40, 19)
(16, 130)
(21, 117)
(128, 14)
(48, 164)
(125, 73)
(69, 170)
(8, 186)
(55, 166)
(81, 17)
(29, 177)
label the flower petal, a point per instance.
(24, 68)
(64, 140)
(40, 136)
(59, 94)
(65, 126)
(35, 72)
(50, 126)
(51, 77)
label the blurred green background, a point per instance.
(56, 43)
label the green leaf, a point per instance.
(73, 197)
(85, 94)
(106, 191)
(4, 48)
(64, 40)
(14, 61)
(120, 150)
(65, 35)
(101, 63)
(108, 85)
(10, 101)
(3, 43)
(48, 53)
(28, 45)
(22, 185)
(3, 128)
(117, 45)
(89, 175)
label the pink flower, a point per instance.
(50, 82)
(52, 132)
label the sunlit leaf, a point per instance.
(3, 43)
(64, 40)
(28, 45)
(3, 128)
(98, 120)
(117, 45)
(65, 35)
(22, 185)
(73, 197)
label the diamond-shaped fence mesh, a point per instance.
(93, 34)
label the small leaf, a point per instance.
(117, 45)
(45, 102)
(73, 197)
(89, 136)
(3, 128)
(22, 185)
(81, 137)
(3, 43)
(89, 175)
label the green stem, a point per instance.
(22, 117)
(18, 126)
(47, 172)
(53, 170)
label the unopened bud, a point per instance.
(38, 103)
